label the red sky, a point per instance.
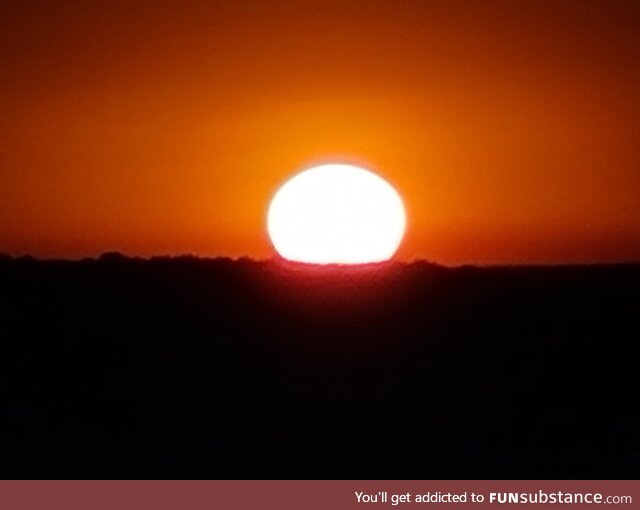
(510, 128)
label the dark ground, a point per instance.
(187, 368)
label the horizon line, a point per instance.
(115, 256)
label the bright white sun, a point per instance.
(336, 214)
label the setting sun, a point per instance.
(338, 214)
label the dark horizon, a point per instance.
(115, 255)
(189, 368)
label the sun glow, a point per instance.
(338, 214)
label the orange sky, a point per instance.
(510, 128)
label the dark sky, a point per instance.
(510, 128)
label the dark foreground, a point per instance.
(190, 368)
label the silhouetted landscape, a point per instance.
(215, 368)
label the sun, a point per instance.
(336, 214)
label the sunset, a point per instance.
(319, 254)
(509, 128)
(336, 214)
